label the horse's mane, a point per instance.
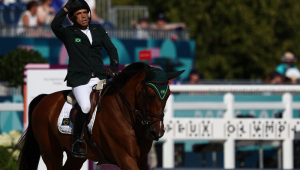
(122, 78)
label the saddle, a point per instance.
(95, 99)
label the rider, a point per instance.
(83, 42)
(288, 60)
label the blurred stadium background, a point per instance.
(232, 117)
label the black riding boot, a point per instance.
(78, 123)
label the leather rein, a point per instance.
(143, 117)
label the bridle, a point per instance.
(143, 117)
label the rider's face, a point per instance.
(82, 17)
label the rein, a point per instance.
(144, 117)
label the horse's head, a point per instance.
(152, 94)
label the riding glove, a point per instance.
(71, 4)
(113, 68)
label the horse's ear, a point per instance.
(149, 73)
(172, 75)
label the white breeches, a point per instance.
(82, 94)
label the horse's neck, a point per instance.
(129, 91)
(134, 83)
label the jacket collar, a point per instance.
(93, 32)
(78, 31)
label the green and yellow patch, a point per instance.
(77, 39)
(160, 89)
(65, 121)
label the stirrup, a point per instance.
(79, 155)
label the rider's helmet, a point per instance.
(83, 5)
(288, 57)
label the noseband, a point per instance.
(143, 117)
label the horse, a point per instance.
(129, 119)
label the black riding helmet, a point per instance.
(83, 5)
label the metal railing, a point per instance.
(102, 8)
(121, 33)
(122, 16)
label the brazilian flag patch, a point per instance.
(160, 89)
(77, 39)
(65, 122)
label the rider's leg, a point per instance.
(82, 95)
(78, 124)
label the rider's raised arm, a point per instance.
(56, 24)
(109, 46)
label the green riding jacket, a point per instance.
(84, 57)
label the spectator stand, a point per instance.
(9, 15)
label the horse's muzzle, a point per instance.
(154, 135)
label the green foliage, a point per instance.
(235, 39)
(12, 65)
(5, 162)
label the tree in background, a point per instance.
(12, 65)
(235, 39)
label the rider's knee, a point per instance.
(85, 109)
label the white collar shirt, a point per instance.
(87, 32)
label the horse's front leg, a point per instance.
(143, 164)
(128, 163)
(127, 156)
(122, 151)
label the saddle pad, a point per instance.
(64, 123)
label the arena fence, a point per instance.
(230, 128)
(121, 33)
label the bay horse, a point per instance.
(129, 119)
